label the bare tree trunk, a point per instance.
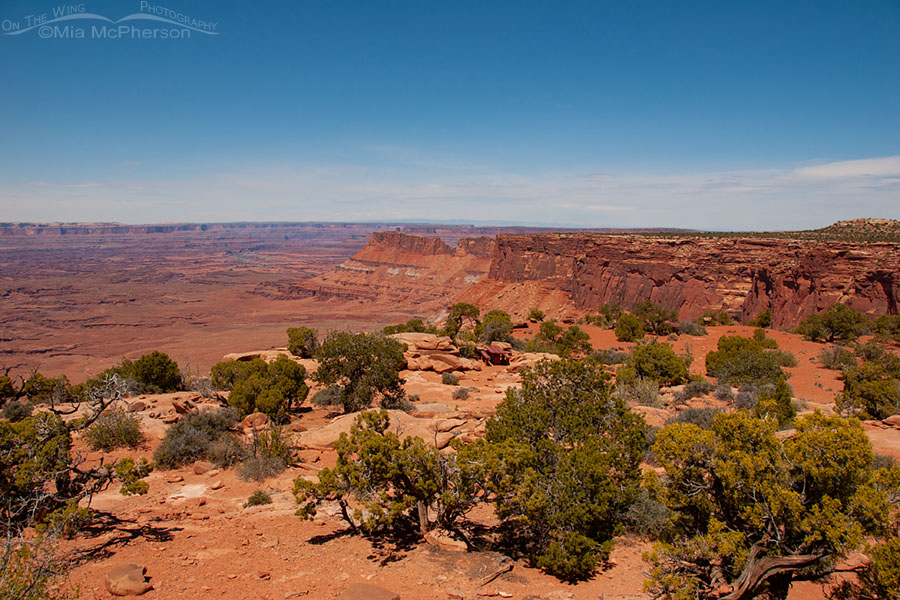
(423, 517)
(778, 569)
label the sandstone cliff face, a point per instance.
(742, 276)
(398, 270)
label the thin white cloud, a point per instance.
(84, 184)
(786, 198)
(888, 166)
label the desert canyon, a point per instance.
(78, 298)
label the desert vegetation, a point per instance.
(558, 474)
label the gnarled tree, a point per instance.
(753, 513)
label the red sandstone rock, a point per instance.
(742, 276)
(127, 580)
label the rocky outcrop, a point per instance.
(429, 352)
(420, 274)
(740, 275)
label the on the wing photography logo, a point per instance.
(74, 22)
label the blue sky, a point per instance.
(714, 115)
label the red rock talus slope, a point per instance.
(423, 274)
(741, 275)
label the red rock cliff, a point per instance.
(740, 275)
(399, 271)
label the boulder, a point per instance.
(266, 355)
(443, 540)
(442, 440)
(433, 407)
(448, 425)
(138, 406)
(528, 359)
(440, 362)
(892, 421)
(202, 466)
(128, 580)
(367, 591)
(654, 417)
(256, 420)
(424, 341)
(182, 407)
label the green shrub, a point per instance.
(694, 389)
(564, 455)
(227, 450)
(611, 312)
(691, 328)
(759, 336)
(647, 517)
(783, 358)
(256, 386)
(740, 360)
(776, 403)
(190, 439)
(536, 315)
(40, 389)
(411, 326)
(131, 475)
(152, 373)
(871, 350)
(641, 390)
(609, 357)
(157, 373)
(269, 454)
(303, 341)
(393, 484)
(468, 350)
(878, 579)
(7, 389)
(115, 428)
(701, 417)
(837, 358)
(723, 485)
(871, 391)
(458, 313)
(564, 342)
(330, 396)
(763, 319)
(654, 361)
(449, 379)
(496, 327)
(39, 483)
(839, 323)
(888, 326)
(258, 498)
(364, 367)
(655, 318)
(629, 328)
(16, 410)
(260, 467)
(34, 569)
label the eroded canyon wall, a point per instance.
(422, 274)
(740, 275)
